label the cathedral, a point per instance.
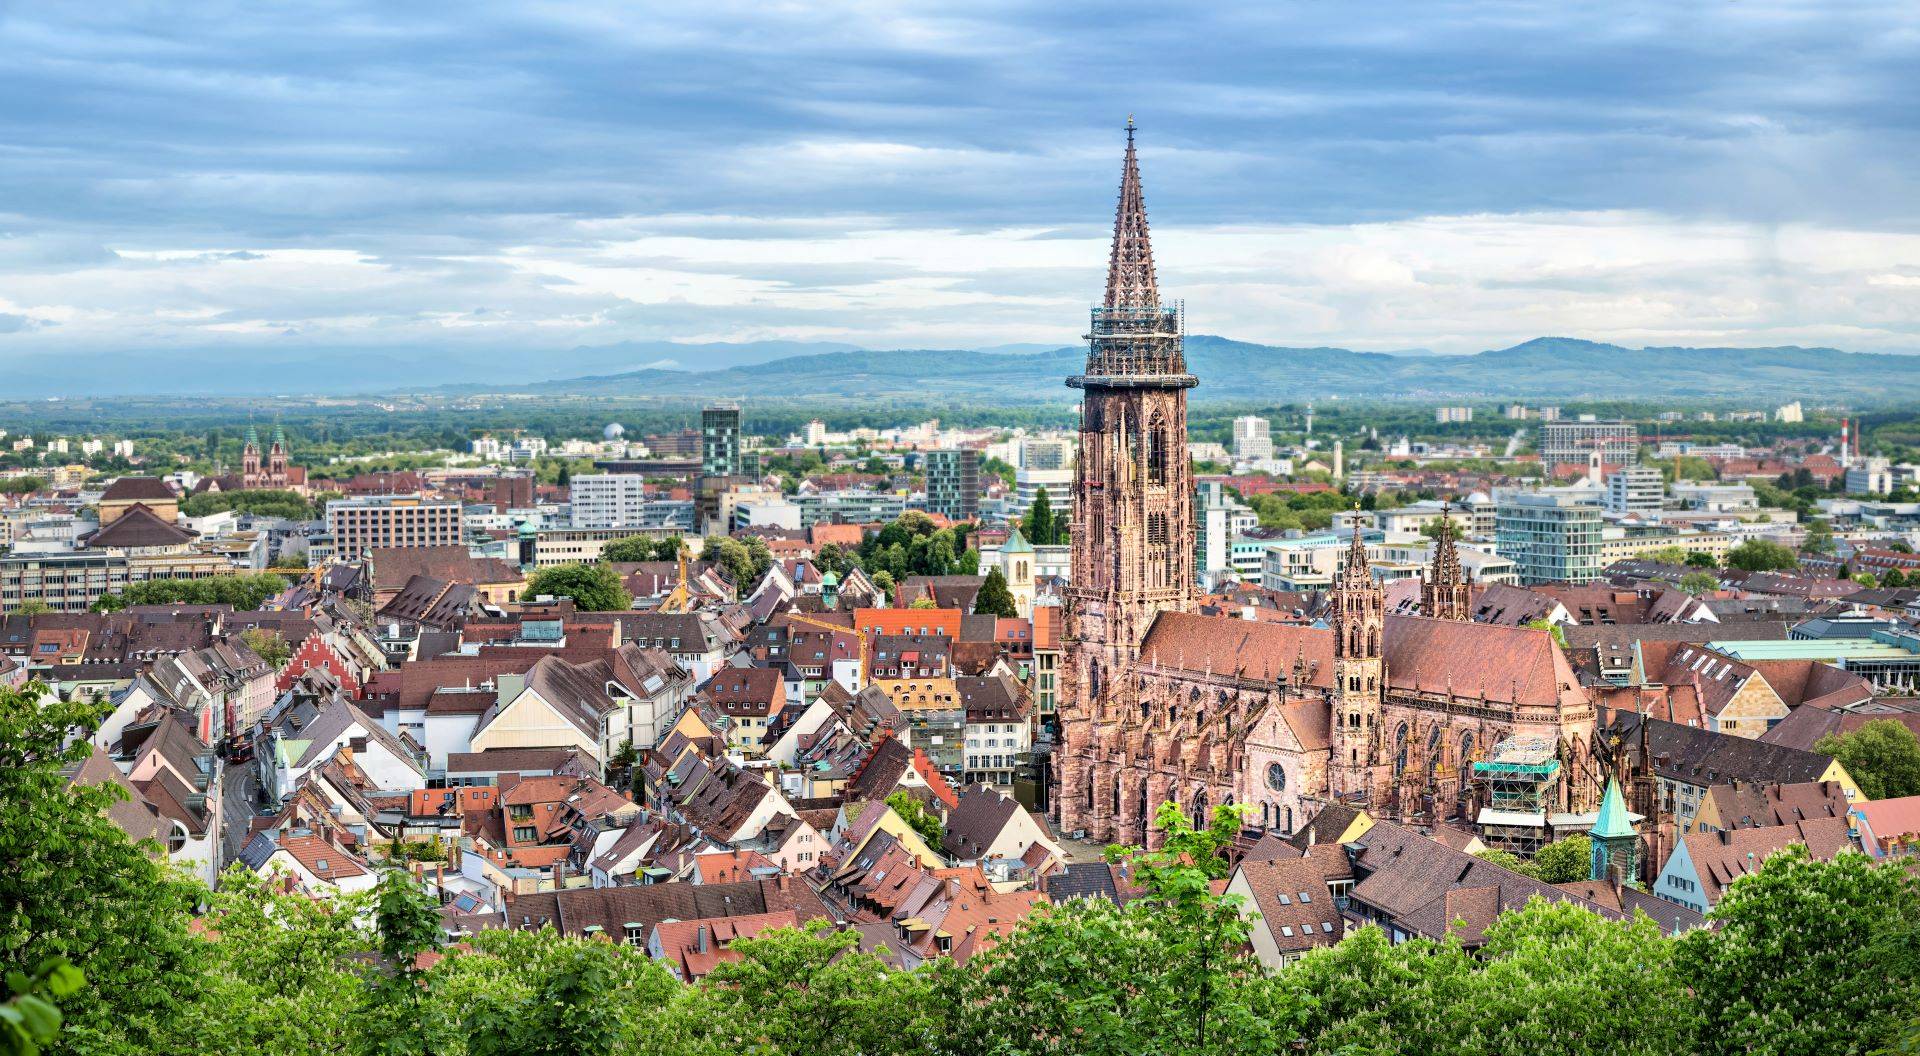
(1161, 704)
(274, 471)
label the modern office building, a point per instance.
(609, 500)
(953, 483)
(1550, 538)
(720, 440)
(1635, 490)
(1573, 443)
(1220, 518)
(362, 524)
(1252, 438)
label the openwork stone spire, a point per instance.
(1130, 279)
(1446, 594)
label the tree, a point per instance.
(1564, 860)
(918, 817)
(32, 607)
(535, 993)
(1806, 957)
(1882, 755)
(1698, 583)
(832, 558)
(995, 598)
(406, 924)
(275, 974)
(593, 588)
(1038, 524)
(244, 593)
(1894, 578)
(29, 1018)
(21, 485)
(1166, 973)
(642, 548)
(1701, 559)
(1819, 537)
(733, 558)
(267, 645)
(1759, 555)
(807, 991)
(75, 886)
(883, 580)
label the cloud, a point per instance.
(1414, 175)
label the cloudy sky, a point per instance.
(482, 186)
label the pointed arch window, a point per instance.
(1154, 445)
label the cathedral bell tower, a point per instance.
(1133, 528)
(250, 459)
(277, 459)
(1358, 607)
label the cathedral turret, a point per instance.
(1446, 593)
(1616, 846)
(1358, 606)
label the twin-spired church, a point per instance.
(1161, 704)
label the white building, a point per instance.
(1634, 490)
(1789, 413)
(1252, 438)
(609, 500)
(1870, 476)
(1220, 517)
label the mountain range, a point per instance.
(1553, 368)
(1546, 368)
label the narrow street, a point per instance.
(238, 787)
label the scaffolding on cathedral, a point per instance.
(1519, 783)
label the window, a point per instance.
(525, 833)
(1286, 930)
(1306, 899)
(1284, 900)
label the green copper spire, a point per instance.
(1016, 543)
(279, 438)
(1613, 822)
(253, 436)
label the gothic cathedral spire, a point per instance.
(1133, 526)
(1130, 279)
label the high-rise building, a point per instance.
(1447, 415)
(1550, 538)
(720, 440)
(362, 524)
(953, 483)
(1635, 489)
(1252, 438)
(1572, 443)
(608, 500)
(1133, 531)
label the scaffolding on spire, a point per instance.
(1135, 338)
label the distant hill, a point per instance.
(1544, 368)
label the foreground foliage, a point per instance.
(1809, 957)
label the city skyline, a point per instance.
(521, 184)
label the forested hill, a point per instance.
(1544, 368)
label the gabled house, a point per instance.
(1704, 864)
(308, 863)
